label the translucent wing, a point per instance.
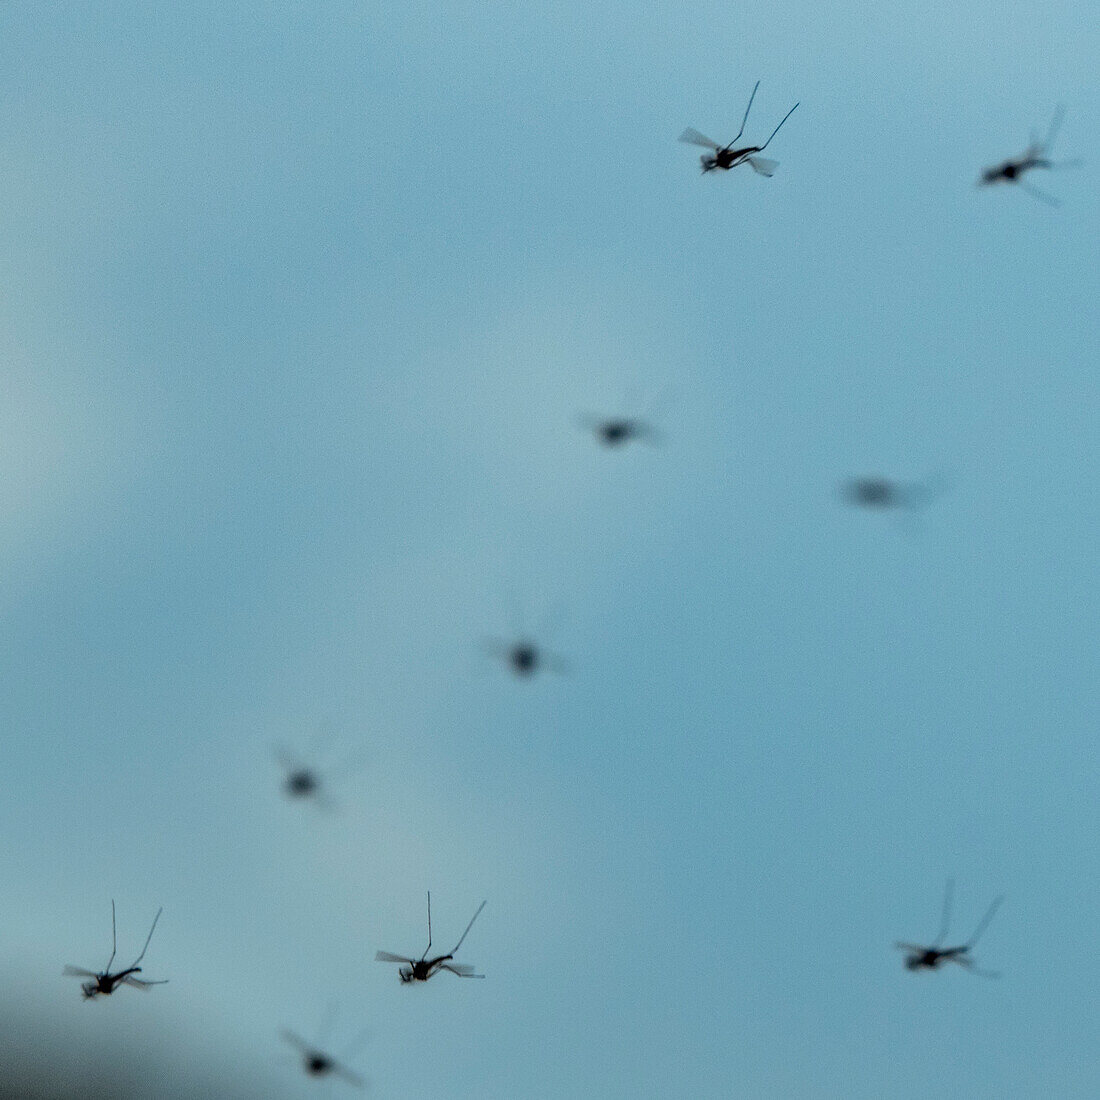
(967, 964)
(463, 970)
(296, 1041)
(913, 948)
(140, 983)
(693, 137)
(78, 972)
(386, 957)
(762, 166)
(347, 1076)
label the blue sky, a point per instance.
(300, 308)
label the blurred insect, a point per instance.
(1035, 156)
(919, 957)
(882, 493)
(317, 1062)
(524, 657)
(616, 431)
(104, 983)
(520, 653)
(726, 156)
(308, 782)
(420, 970)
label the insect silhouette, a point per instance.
(726, 156)
(919, 957)
(524, 656)
(304, 781)
(882, 494)
(317, 1062)
(1035, 156)
(616, 431)
(104, 983)
(520, 653)
(420, 970)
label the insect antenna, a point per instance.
(114, 940)
(984, 921)
(429, 947)
(148, 938)
(468, 927)
(746, 118)
(776, 130)
(948, 898)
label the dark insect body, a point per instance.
(317, 1062)
(104, 983)
(726, 156)
(420, 970)
(1035, 156)
(932, 957)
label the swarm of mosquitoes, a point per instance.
(524, 657)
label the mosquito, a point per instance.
(726, 156)
(521, 654)
(317, 1062)
(420, 970)
(105, 982)
(616, 431)
(919, 957)
(1035, 156)
(882, 493)
(307, 782)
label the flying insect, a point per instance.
(104, 983)
(1035, 156)
(727, 156)
(920, 957)
(420, 970)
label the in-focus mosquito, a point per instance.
(919, 957)
(420, 970)
(1035, 156)
(726, 156)
(317, 1062)
(104, 983)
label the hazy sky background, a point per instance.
(300, 306)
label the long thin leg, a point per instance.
(429, 947)
(776, 130)
(1035, 193)
(468, 927)
(746, 118)
(1055, 125)
(114, 940)
(984, 921)
(948, 898)
(148, 938)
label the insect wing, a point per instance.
(762, 166)
(912, 948)
(78, 972)
(140, 983)
(463, 970)
(296, 1041)
(347, 1076)
(693, 137)
(386, 957)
